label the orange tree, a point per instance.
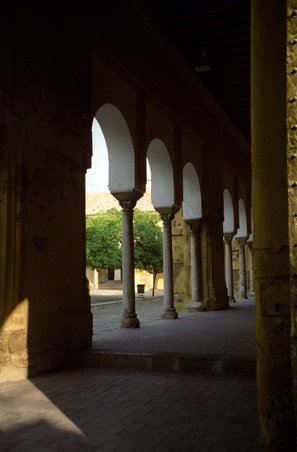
(148, 243)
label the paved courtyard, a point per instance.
(229, 331)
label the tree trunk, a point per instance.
(154, 280)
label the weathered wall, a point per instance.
(45, 308)
(271, 245)
(292, 174)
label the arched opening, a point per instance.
(228, 230)
(161, 174)
(192, 204)
(241, 240)
(112, 172)
(121, 174)
(242, 230)
(192, 213)
(97, 175)
(163, 201)
(228, 224)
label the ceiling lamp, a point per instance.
(203, 63)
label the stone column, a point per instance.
(242, 267)
(169, 309)
(129, 317)
(251, 265)
(270, 176)
(196, 276)
(228, 236)
(215, 295)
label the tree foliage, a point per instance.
(148, 243)
(103, 239)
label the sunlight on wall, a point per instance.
(14, 343)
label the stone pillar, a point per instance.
(251, 265)
(269, 127)
(96, 279)
(215, 295)
(242, 267)
(169, 309)
(228, 236)
(196, 276)
(129, 317)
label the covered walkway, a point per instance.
(108, 408)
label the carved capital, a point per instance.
(241, 241)
(228, 236)
(127, 205)
(167, 214)
(194, 224)
(167, 219)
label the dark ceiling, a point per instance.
(222, 29)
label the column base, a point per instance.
(194, 306)
(243, 297)
(214, 304)
(169, 314)
(252, 294)
(130, 321)
(232, 299)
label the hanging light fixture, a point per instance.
(203, 63)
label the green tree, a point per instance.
(148, 243)
(103, 238)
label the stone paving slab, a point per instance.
(126, 410)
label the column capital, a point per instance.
(228, 236)
(127, 205)
(241, 240)
(167, 213)
(194, 224)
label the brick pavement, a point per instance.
(124, 410)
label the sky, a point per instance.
(97, 175)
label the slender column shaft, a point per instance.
(229, 265)
(251, 265)
(129, 317)
(169, 309)
(196, 276)
(242, 267)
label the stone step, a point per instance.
(168, 362)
